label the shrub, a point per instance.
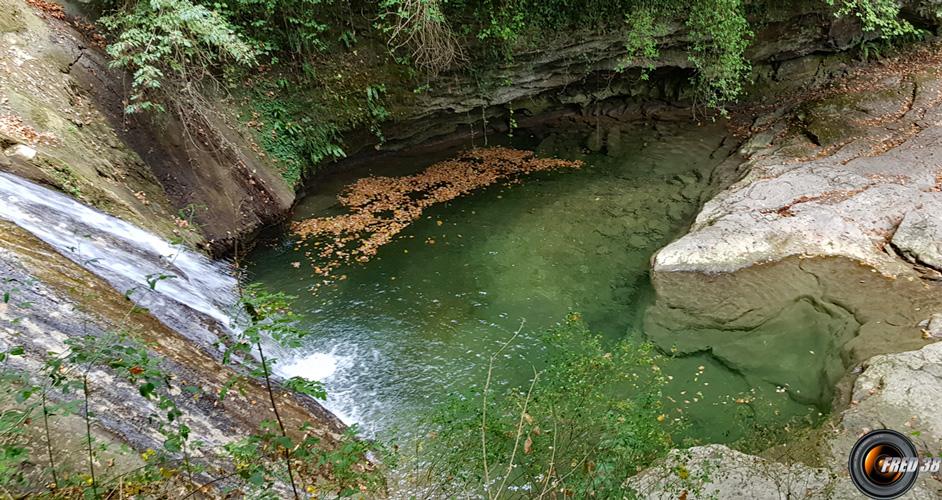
(586, 421)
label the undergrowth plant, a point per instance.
(308, 465)
(64, 388)
(169, 47)
(587, 419)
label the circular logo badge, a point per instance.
(884, 464)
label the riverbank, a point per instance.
(53, 304)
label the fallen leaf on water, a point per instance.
(381, 207)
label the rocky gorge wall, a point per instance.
(838, 205)
(62, 121)
(589, 73)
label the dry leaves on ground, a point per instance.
(48, 8)
(13, 127)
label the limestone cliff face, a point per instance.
(851, 172)
(578, 69)
(62, 124)
(838, 205)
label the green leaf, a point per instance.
(313, 388)
(147, 389)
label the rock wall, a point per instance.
(62, 120)
(851, 172)
(576, 70)
(62, 123)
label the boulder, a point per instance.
(919, 236)
(933, 326)
(837, 195)
(855, 175)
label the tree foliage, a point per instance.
(880, 16)
(171, 41)
(278, 28)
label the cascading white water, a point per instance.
(180, 287)
(196, 294)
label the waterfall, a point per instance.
(180, 287)
(198, 296)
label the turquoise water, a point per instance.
(423, 317)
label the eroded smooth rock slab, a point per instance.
(716, 471)
(844, 176)
(901, 391)
(853, 177)
(719, 472)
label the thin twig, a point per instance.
(487, 386)
(88, 435)
(281, 424)
(203, 487)
(513, 454)
(550, 471)
(52, 462)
